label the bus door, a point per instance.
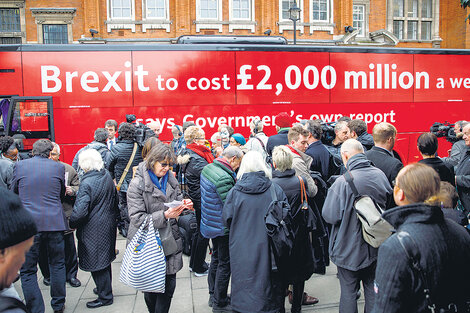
(30, 119)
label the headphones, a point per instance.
(180, 133)
(256, 126)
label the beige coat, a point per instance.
(301, 165)
(144, 199)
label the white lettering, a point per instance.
(112, 81)
(140, 73)
(45, 78)
(89, 78)
(68, 80)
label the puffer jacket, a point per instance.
(145, 199)
(118, 159)
(94, 216)
(216, 181)
(191, 165)
(444, 248)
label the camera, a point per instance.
(328, 132)
(445, 129)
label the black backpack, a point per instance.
(187, 224)
(278, 220)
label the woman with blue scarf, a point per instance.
(154, 185)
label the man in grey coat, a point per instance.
(354, 258)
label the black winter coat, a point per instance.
(118, 159)
(445, 257)
(254, 287)
(191, 165)
(446, 172)
(301, 265)
(94, 216)
(279, 139)
(462, 177)
(383, 160)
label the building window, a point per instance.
(10, 40)
(55, 33)
(208, 9)
(412, 19)
(121, 9)
(320, 10)
(156, 9)
(359, 19)
(10, 20)
(285, 6)
(241, 9)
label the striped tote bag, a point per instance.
(144, 266)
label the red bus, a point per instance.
(65, 92)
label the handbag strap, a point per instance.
(412, 253)
(124, 174)
(261, 142)
(348, 177)
(303, 193)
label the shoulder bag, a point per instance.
(124, 174)
(144, 265)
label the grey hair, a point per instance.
(282, 158)
(257, 125)
(56, 146)
(253, 162)
(352, 145)
(159, 153)
(232, 151)
(90, 160)
(339, 126)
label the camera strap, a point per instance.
(126, 170)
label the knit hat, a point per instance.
(283, 120)
(239, 138)
(16, 223)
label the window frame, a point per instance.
(54, 16)
(219, 12)
(18, 18)
(328, 12)
(18, 33)
(132, 10)
(119, 23)
(251, 8)
(65, 33)
(407, 19)
(300, 4)
(146, 10)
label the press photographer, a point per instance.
(452, 133)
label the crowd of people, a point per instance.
(235, 189)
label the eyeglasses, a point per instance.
(165, 164)
(395, 183)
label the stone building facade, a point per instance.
(399, 23)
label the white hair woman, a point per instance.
(255, 288)
(94, 217)
(301, 263)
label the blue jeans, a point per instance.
(54, 241)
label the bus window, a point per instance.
(30, 118)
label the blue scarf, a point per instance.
(156, 181)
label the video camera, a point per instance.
(445, 129)
(142, 131)
(328, 132)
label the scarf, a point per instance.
(202, 151)
(160, 184)
(293, 150)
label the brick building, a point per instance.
(401, 23)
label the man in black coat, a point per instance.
(282, 122)
(427, 146)
(118, 160)
(381, 154)
(40, 184)
(99, 144)
(462, 173)
(316, 149)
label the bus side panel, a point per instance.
(366, 77)
(447, 78)
(11, 78)
(282, 77)
(80, 79)
(174, 78)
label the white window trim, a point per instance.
(319, 25)
(366, 4)
(121, 23)
(154, 22)
(62, 16)
(209, 23)
(435, 39)
(287, 24)
(238, 23)
(16, 4)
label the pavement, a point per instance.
(191, 294)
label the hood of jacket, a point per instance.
(94, 173)
(96, 145)
(366, 139)
(253, 183)
(358, 161)
(286, 173)
(413, 213)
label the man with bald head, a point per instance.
(354, 258)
